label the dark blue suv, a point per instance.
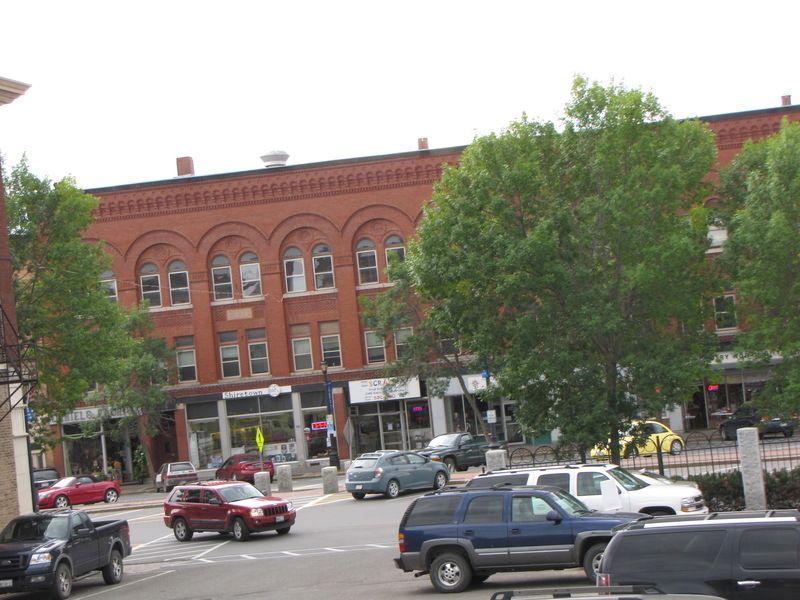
(462, 536)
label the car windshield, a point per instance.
(32, 530)
(239, 492)
(66, 482)
(569, 503)
(442, 441)
(627, 479)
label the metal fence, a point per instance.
(702, 454)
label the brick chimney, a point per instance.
(786, 100)
(422, 144)
(185, 166)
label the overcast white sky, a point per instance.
(119, 90)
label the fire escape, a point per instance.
(17, 368)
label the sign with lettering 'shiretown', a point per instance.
(382, 388)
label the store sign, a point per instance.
(382, 388)
(319, 425)
(90, 413)
(274, 390)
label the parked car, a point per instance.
(82, 489)
(243, 467)
(390, 472)
(174, 473)
(44, 478)
(748, 415)
(633, 493)
(461, 536)
(458, 451)
(225, 507)
(48, 551)
(656, 433)
(736, 555)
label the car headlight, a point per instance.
(256, 512)
(289, 506)
(44, 496)
(42, 558)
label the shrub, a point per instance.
(725, 491)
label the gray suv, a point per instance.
(737, 555)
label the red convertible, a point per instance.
(82, 489)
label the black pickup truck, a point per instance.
(50, 550)
(458, 451)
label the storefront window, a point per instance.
(316, 433)
(277, 429)
(205, 445)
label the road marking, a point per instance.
(122, 585)
(210, 549)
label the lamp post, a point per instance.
(333, 451)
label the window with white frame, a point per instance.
(376, 352)
(108, 282)
(725, 312)
(221, 278)
(294, 270)
(250, 272)
(150, 283)
(322, 260)
(717, 234)
(229, 353)
(178, 283)
(367, 260)
(400, 337)
(330, 343)
(257, 351)
(395, 250)
(185, 357)
(301, 347)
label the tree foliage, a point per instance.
(573, 259)
(761, 188)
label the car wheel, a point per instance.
(112, 572)
(240, 530)
(235, 477)
(591, 561)
(631, 452)
(787, 433)
(181, 530)
(451, 465)
(439, 481)
(110, 496)
(392, 489)
(283, 530)
(725, 434)
(676, 447)
(62, 582)
(359, 495)
(451, 573)
(61, 502)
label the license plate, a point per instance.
(6, 583)
(359, 486)
(279, 519)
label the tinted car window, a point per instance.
(433, 511)
(490, 480)
(769, 549)
(560, 480)
(485, 509)
(672, 551)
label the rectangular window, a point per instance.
(110, 286)
(223, 287)
(295, 275)
(301, 349)
(257, 351)
(376, 352)
(323, 272)
(400, 337)
(331, 350)
(251, 280)
(725, 312)
(367, 267)
(179, 287)
(230, 361)
(394, 255)
(151, 289)
(185, 358)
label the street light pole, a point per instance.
(333, 451)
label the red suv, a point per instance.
(243, 467)
(225, 507)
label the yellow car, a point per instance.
(656, 432)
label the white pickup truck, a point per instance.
(605, 487)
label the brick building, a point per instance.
(255, 278)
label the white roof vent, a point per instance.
(276, 158)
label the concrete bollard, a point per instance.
(263, 482)
(755, 495)
(330, 480)
(496, 460)
(283, 475)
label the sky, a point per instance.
(120, 90)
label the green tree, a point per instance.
(573, 259)
(761, 188)
(69, 328)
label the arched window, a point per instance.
(395, 249)
(178, 283)
(221, 277)
(293, 268)
(367, 261)
(250, 271)
(108, 281)
(150, 283)
(323, 267)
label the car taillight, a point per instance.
(603, 579)
(378, 472)
(765, 418)
(402, 541)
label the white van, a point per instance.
(586, 482)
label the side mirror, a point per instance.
(554, 516)
(83, 533)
